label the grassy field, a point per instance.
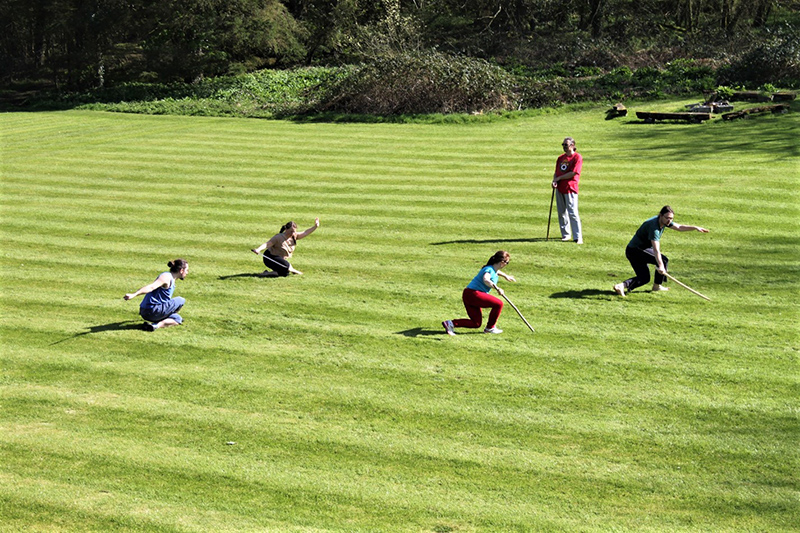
(333, 401)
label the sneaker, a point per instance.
(493, 330)
(659, 288)
(579, 241)
(448, 327)
(147, 326)
(565, 239)
(619, 288)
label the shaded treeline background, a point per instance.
(82, 44)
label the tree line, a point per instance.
(76, 44)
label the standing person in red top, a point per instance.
(565, 181)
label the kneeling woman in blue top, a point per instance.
(158, 307)
(476, 296)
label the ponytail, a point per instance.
(177, 265)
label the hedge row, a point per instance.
(432, 82)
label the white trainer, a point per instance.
(619, 288)
(448, 327)
(493, 330)
(659, 288)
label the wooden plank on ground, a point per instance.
(776, 108)
(650, 116)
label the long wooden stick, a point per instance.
(686, 287)
(520, 314)
(265, 257)
(547, 238)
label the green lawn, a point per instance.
(334, 401)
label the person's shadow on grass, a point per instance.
(487, 241)
(421, 332)
(251, 275)
(114, 326)
(591, 294)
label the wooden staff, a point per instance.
(520, 314)
(547, 238)
(688, 288)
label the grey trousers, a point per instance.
(568, 217)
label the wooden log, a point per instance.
(752, 96)
(650, 116)
(777, 108)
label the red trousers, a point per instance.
(474, 301)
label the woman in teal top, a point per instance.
(645, 249)
(476, 296)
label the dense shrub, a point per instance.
(265, 89)
(544, 93)
(421, 82)
(775, 61)
(687, 76)
(395, 84)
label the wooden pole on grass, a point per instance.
(520, 314)
(547, 238)
(688, 288)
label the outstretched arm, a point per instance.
(509, 277)
(161, 281)
(263, 247)
(679, 227)
(309, 231)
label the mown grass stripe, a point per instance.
(351, 410)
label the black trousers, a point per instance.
(640, 261)
(278, 264)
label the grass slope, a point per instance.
(349, 408)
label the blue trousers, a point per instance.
(157, 313)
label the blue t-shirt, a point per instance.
(477, 283)
(160, 296)
(647, 232)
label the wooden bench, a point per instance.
(751, 96)
(783, 97)
(651, 117)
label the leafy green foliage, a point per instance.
(776, 61)
(421, 82)
(397, 84)
(258, 94)
(724, 92)
(76, 45)
(188, 40)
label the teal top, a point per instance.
(647, 232)
(477, 283)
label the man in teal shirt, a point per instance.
(645, 249)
